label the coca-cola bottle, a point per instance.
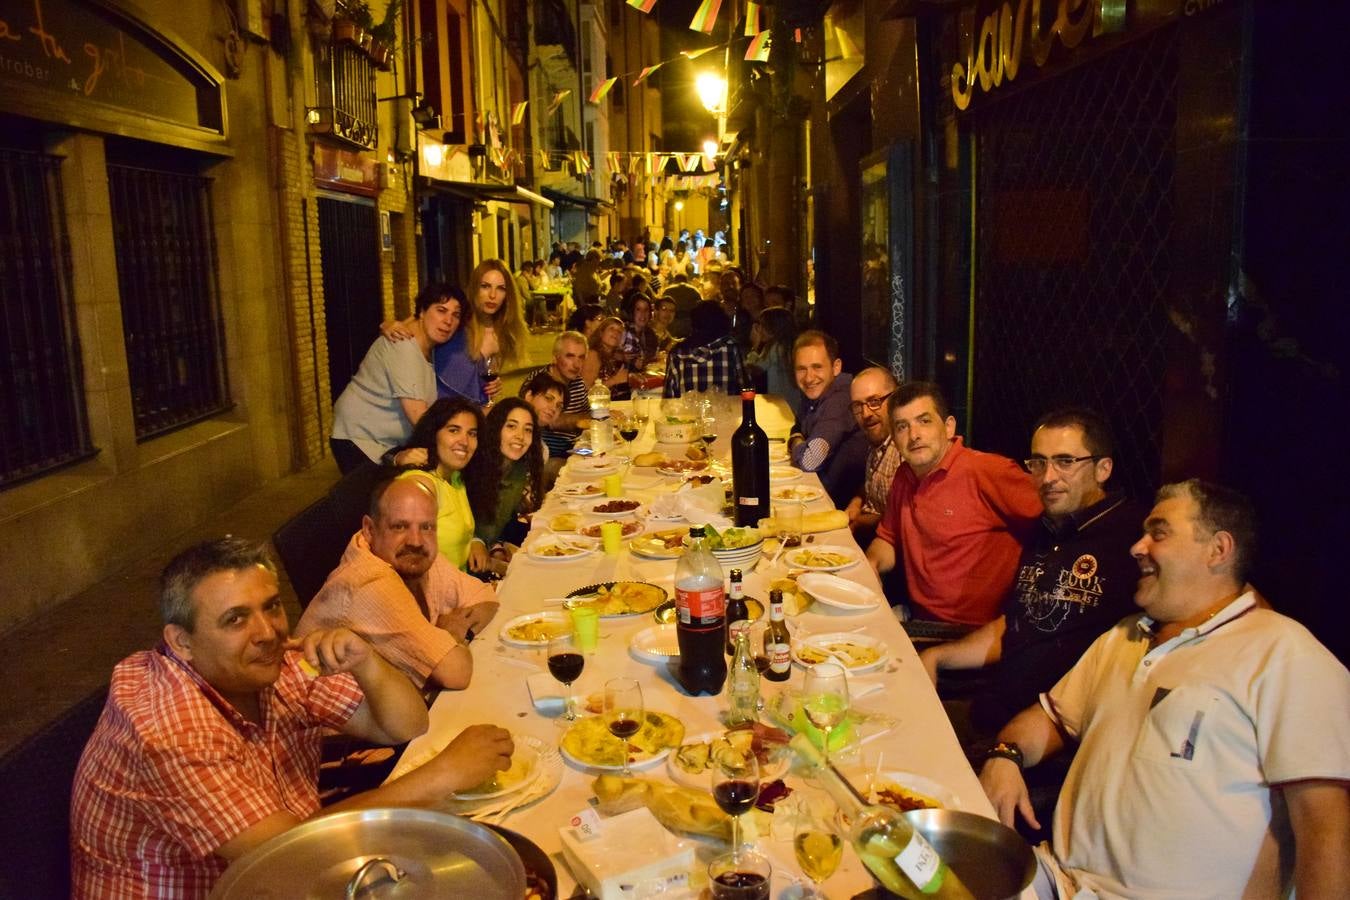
(750, 466)
(700, 624)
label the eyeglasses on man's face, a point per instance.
(872, 403)
(1037, 464)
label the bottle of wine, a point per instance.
(900, 858)
(742, 679)
(750, 466)
(777, 641)
(737, 611)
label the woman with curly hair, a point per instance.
(505, 481)
(605, 360)
(441, 447)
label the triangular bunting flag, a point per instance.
(557, 101)
(752, 26)
(691, 161)
(758, 51)
(612, 160)
(642, 76)
(643, 5)
(695, 54)
(518, 112)
(705, 19)
(602, 89)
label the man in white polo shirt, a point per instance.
(1214, 735)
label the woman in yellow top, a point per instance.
(447, 434)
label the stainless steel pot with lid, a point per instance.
(378, 854)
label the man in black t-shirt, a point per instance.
(1073, 582)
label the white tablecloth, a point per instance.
(922, 740)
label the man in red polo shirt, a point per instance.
(209, 744)
(958, 516)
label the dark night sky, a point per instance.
(686, 123)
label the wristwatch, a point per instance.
(1007, 750)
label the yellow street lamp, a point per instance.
(712, 92)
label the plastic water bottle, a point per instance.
(602, 429)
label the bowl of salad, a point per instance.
(677, 430)
(735, 547)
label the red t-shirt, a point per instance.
(960, 531)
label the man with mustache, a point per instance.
(1213, 735)
(398, 592)
(209, 744)
(868, 392)
(959, 516)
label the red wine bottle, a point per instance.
(750, 466)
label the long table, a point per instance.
(921, 741)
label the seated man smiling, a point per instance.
(209, 744)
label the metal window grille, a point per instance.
(41, 378)
(1074, 213)
(345, 78)
(166, 270)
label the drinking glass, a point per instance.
(818, 849)
(740, 876)
(642, 409)
(735, 787)
(787, 515)
(565, 663)
(492, 369)
(623, 712)
(825, 699)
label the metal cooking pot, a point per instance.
(378, 853)
(992, 859)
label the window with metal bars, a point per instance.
(41, 379)
(163, 235)
(345, 80)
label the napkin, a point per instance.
(690, 506)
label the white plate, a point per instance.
(550, 617)
(679, 468)
(526, 756)
(858, 640)
(793, 559)
(784, 473)
(591, 507)
(770, 772)
(581, 490)
(839, 592)
(587, 466)
(911, 781)
(648, 546)
(631, 529)
(644, 762)
(657, 644)
(571, 550)
(805, 493)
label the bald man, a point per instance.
(868, 394)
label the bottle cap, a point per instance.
(734, 575)
(696, 531)
(775, 595)
(747, 394)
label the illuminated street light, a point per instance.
(712, 92)
(710, 148)
(679, 206)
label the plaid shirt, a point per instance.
(715, 365)
(881, 465)
(173, 771)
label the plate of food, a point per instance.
(805, 493)
(628, 529)
(564, 522)
(580, 490)
(690, 762)
(588, 742)
(614, 507)
(677, 468)
(784, 473)
(523, 769)
(666, 544)
(536, 629)
(903, 791)
(554, 549)
(823, 558)
(655, 644)
(856, 652)
(602, 464)
(838, 592)
(615, 599)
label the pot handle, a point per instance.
(391, 873)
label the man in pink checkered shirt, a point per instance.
(209, 744)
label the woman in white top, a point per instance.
(394, 384)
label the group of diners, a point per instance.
(1203, 738)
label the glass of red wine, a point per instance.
(735, 787)
(709, 430)
(623, 712)
(740, 876)
(565, 663)
(628, 430)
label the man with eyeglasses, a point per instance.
(1074, 581)
(955, 516)
(825, 439)
(869, 391)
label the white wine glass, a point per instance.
(623, 712)
(818, 848)
(825, 699)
